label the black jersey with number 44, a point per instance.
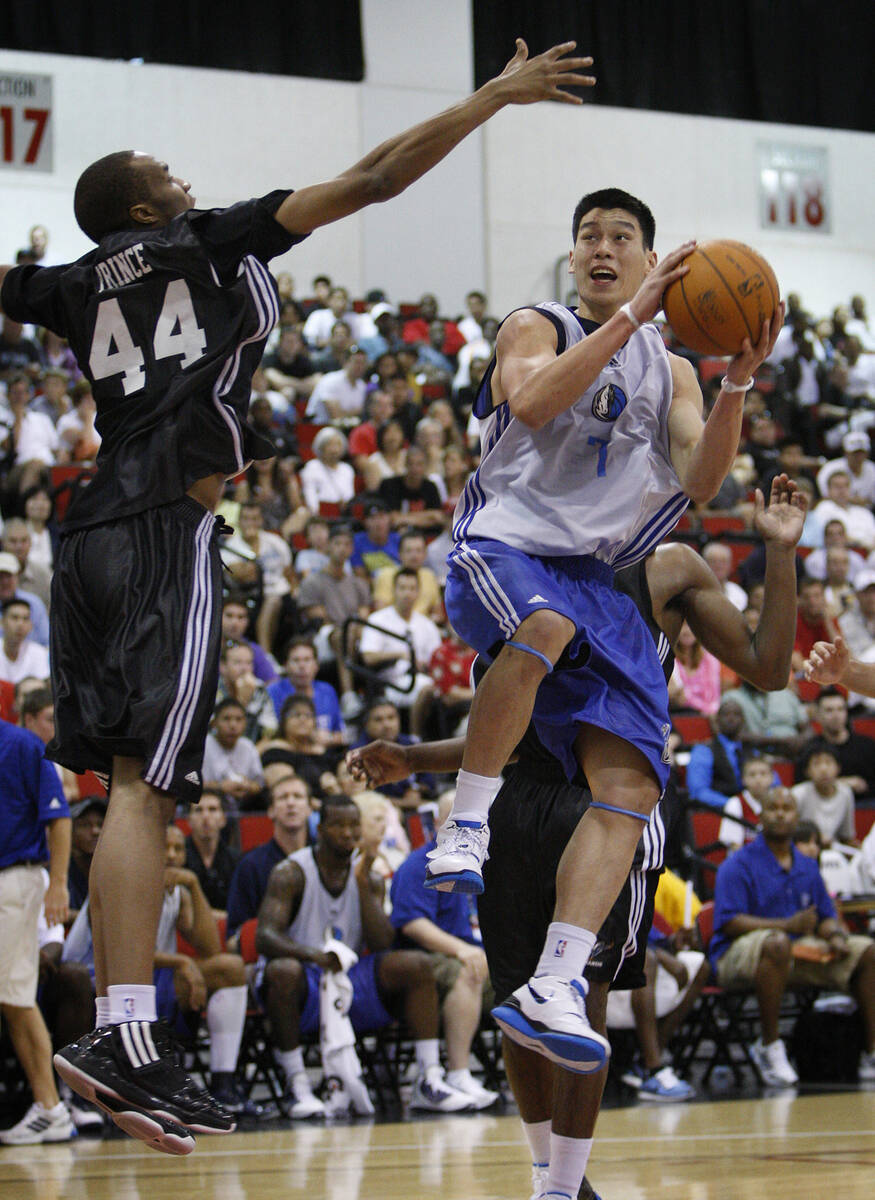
(169, 325)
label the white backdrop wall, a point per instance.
(699, 176)
(495, 215)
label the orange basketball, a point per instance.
(725, 296)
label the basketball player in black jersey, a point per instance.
(537, 810)
(168, 318)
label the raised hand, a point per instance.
(378, 763)
(545, 77)
(749, 358)
(782, 521)
(827, 662)
(647, 301)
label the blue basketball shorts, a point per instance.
(367, 1011)
(609, 675)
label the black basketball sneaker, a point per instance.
(131, 1071)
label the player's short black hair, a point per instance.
(105, 192)
(337, 803)
(15, 601)
(616, 198)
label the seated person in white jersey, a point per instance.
(537, 811)
(593, 445)
(168, 317)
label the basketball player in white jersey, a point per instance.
(593, 445)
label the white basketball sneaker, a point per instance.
(456, 863)
(540, 1174)
(40, 1125)
(548, 1014)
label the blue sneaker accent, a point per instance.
(458, 881)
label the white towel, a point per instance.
(337, 1037)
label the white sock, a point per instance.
(566, 951)
(101, 1010)
(427, 1054)
(291, 1061)
(538, 1136)
(474, 796)
(568, 1159)
(130, 1002)
(226, 1014)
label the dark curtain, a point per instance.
(317, 38)
(797, 62)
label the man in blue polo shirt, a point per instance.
(34, 832)
(775, 926)
(440, 922)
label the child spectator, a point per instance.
(822, 799)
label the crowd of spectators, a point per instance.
(334, 634)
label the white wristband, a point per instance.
(726, 385)
(626, 310)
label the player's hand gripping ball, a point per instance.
(724, 298)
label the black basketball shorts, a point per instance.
(530, 823)
(135, 632)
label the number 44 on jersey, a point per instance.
(177, 334)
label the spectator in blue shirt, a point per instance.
(714, 769)
(775, 926)
(289, 809)
(440, 922)
(34, 832)
(301, 666)
(378, 545)
(9, 589)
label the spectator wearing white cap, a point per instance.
(858, 625)
(858, 465)
(10, 570)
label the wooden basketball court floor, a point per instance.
(805, 1148)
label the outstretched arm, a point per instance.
(762, 658)
(397, 163)
(703, 452)
(831, 662)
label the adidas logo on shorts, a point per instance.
(193, 777)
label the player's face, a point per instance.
(174, 847)
(779, 814)
(609, 260)
(166, 194)
(341, 831)
(86, 831)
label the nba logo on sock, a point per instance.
(560, 948)
(129, 1006)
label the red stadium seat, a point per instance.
(714, 526)
(864, 819)
(255, 830)
(865, 725)
(90, 785)
(305, 433)
(693, 728)
(786, 772)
